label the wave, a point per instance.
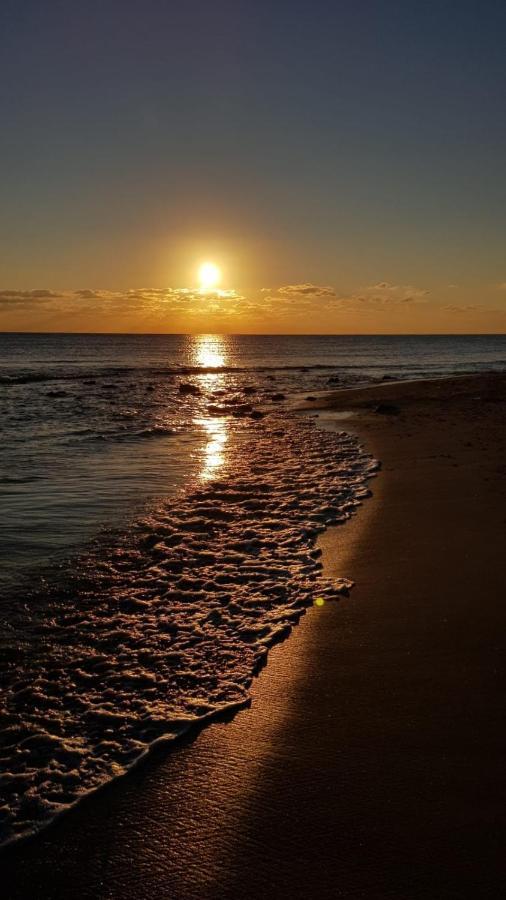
(152, 431)
(96, 375)
(135, 372)
(165, 630)
(34, 377)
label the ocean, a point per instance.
(160, 505)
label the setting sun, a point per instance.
(209, 276)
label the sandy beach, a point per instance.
(371, 761)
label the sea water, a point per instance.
(160, 505)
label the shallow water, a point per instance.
(94, 426)
(160, 507)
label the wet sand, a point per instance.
(371, 762)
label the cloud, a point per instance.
(481, 310)
(296, 300)
(29, 300)
(157, 304)
(379, 297)
(385, 292)
(87, 295)
(22, 300)
(292, 300)
(38, 294)
(289, 299)
(306, 290)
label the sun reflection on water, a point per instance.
(209, 352)
(208, 357)
(214, 451)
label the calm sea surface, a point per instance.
(160, 504)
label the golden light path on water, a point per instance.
(217, 437)
(208, 351)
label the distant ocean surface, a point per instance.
(159, 508)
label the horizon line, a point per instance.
(267, 333)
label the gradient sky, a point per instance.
(343, 162)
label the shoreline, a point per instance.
(182, 624)
(265, 797)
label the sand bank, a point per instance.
(370, 763)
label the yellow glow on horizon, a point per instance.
(209, 277)
(319, 601)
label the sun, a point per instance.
(209, 277)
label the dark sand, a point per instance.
(371, 763)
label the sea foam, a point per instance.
(169, 627)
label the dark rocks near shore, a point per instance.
(242, 409)
(189, 389)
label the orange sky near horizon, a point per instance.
(297, 308)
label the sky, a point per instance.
(343, 163)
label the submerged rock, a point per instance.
(190, 389)
(228, 409)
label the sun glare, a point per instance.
(209, 277)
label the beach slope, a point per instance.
(371, 762)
